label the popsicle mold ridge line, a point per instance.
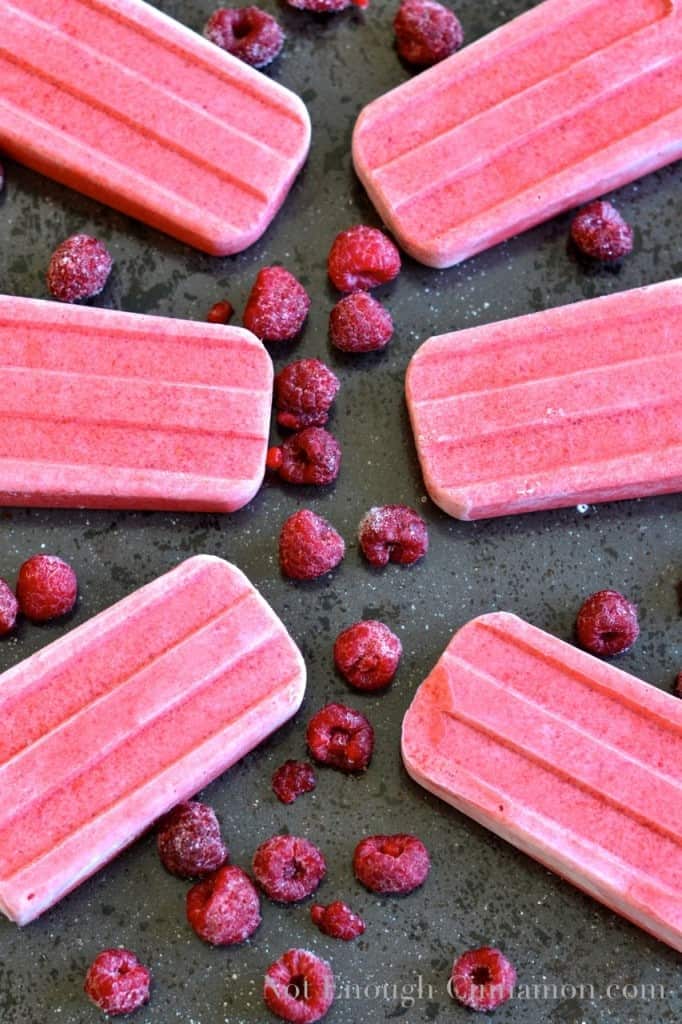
(568, 758)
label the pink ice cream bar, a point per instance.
(576, 404)
(571, 99)
(567, 758)
(115, 410)
(133, 712)
(117, 100)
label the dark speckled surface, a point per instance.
(541, 566)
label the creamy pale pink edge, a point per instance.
(574, 781)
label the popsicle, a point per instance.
(574, 405)
(117, 100)
(115, 410)
(129, 714)
(569, 759)
(569, 100)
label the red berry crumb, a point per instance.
(362, 258)
(248, 33)
(391, 864)
(426, 32)
(293, 779)
(367, 655)
(342, 738)
(482, 979)
(220, 313)
(393, 533)
(600, 232)
(224, 909)
(358, 323)
(309, 546)
(299, 987)
(9, 608)
(189, 841)
(304, 393)
(312, 456)
(46, 588)
(288, 868)
(337, 920)
(278, 305)
(79, 269)
(607, 623)
(117, 982)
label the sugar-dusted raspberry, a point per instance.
(299, 987)
(482, 979)
(393, 533)
(426, 32)
(304, 393)
(607, 623)
(309, 546)
(600, 232)
(337, 920)
(288, 868)
(362, 258)
(224, 909)
(391, 864)
(79, 269)
(359, 323)
(220, 313)
(367, 655)
(47, 588)
(9, 609)
(117, 982)
(278, 305)
(312, 456)
(189, 841)
(293, 779)
(341, 737)
(248, 33)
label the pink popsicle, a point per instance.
(567, 101)
(576, 404)
(118, 101)
(569, 759)
(109, 727)
(116, 410)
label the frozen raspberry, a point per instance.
(299, 987)
(600, 232)
(362, 258)
(79, 269)
(189, 841)
(292, 780)
(304, 393)
(246, 32)
(278, 305)
(288, 868)
(426, 32)
(309, 546)
(224, 909)
(607, 623)
(393, 533)
(46, 588)
(9, 608)
(391, 864)
(313, 456)
(359, 323)
(482, 979)
(337, 920)
(367, 655)
(220, 313)
(117, 982)
(340, 737)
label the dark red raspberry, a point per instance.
(304, 393)
(46, 588)
(220, 313)
(393, 533)
(337, 920)
(312, 456)
(189, 841)
(362, 258)
(288, 868)
(9, 608)
(482, 979)
(293, 779)
(600, 232)
(426, 32)
(247, 33)
(278, 305)
(607, 623)
(79, 269)
(309, 546)
(224, 909)
(678, 686)
(117, 982)
(326, 6)
(359, 323)
(391, 864)
(299, 987)
(367, 655)
(342, 738)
